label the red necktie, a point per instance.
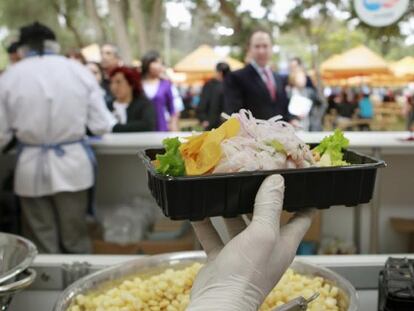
(270, 84)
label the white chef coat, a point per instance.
(47, 100)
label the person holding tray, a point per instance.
(240, 274)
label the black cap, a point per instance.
(12, 48)
(34, 33)
(222, 67)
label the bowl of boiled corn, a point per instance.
(163, 283)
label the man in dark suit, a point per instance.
(212, 99)
(256, 87)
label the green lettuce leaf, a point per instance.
(171, 163)
(330, 149)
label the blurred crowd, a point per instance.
(140, 98)
(356, 108)
(143, 98)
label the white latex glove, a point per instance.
(239, 275)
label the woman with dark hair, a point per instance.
(159, 91)
(133, 111)
(212, 99)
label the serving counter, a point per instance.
(122, 176)
(54, 275)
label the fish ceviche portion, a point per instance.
(244, 143)
(263, 145)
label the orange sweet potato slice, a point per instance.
(201, 153)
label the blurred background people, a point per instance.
(410, 113)
(312, 113)
(333, 102)
(296, 63)
(12, 51)
(177, 99)
(132, 109)
(212, 99)
(110, 59)
(366, 110)
(346, 107)
(187, 95)
(76, 54)
(159, 91)
(47, 101)
(96, 70)
(388, 97)
(256, 87)
(98, 73)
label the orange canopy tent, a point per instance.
(404, 68)
(359, 61)
(201, 63)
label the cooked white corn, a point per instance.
(293, 285)
(170, 291)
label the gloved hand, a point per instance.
(239, 275)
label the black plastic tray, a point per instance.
(229, 195)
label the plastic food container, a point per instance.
(229, 195)
(153, 265)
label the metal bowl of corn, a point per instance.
(163, 282)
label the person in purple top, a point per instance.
(159, 91)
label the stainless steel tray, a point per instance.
(158, 263)
(16, 255)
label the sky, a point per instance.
(177, 13)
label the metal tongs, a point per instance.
(297, 304)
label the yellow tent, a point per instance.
(359, 61)
(330, 62)
(387, 80)
(377, 80)
(404, 67)
(201, 63)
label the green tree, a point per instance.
(385, 37)
(63, 16)
(225, 12)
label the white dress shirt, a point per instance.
(261, 73)
(120, 112)
(48, 100)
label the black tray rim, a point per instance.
(367, 166)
